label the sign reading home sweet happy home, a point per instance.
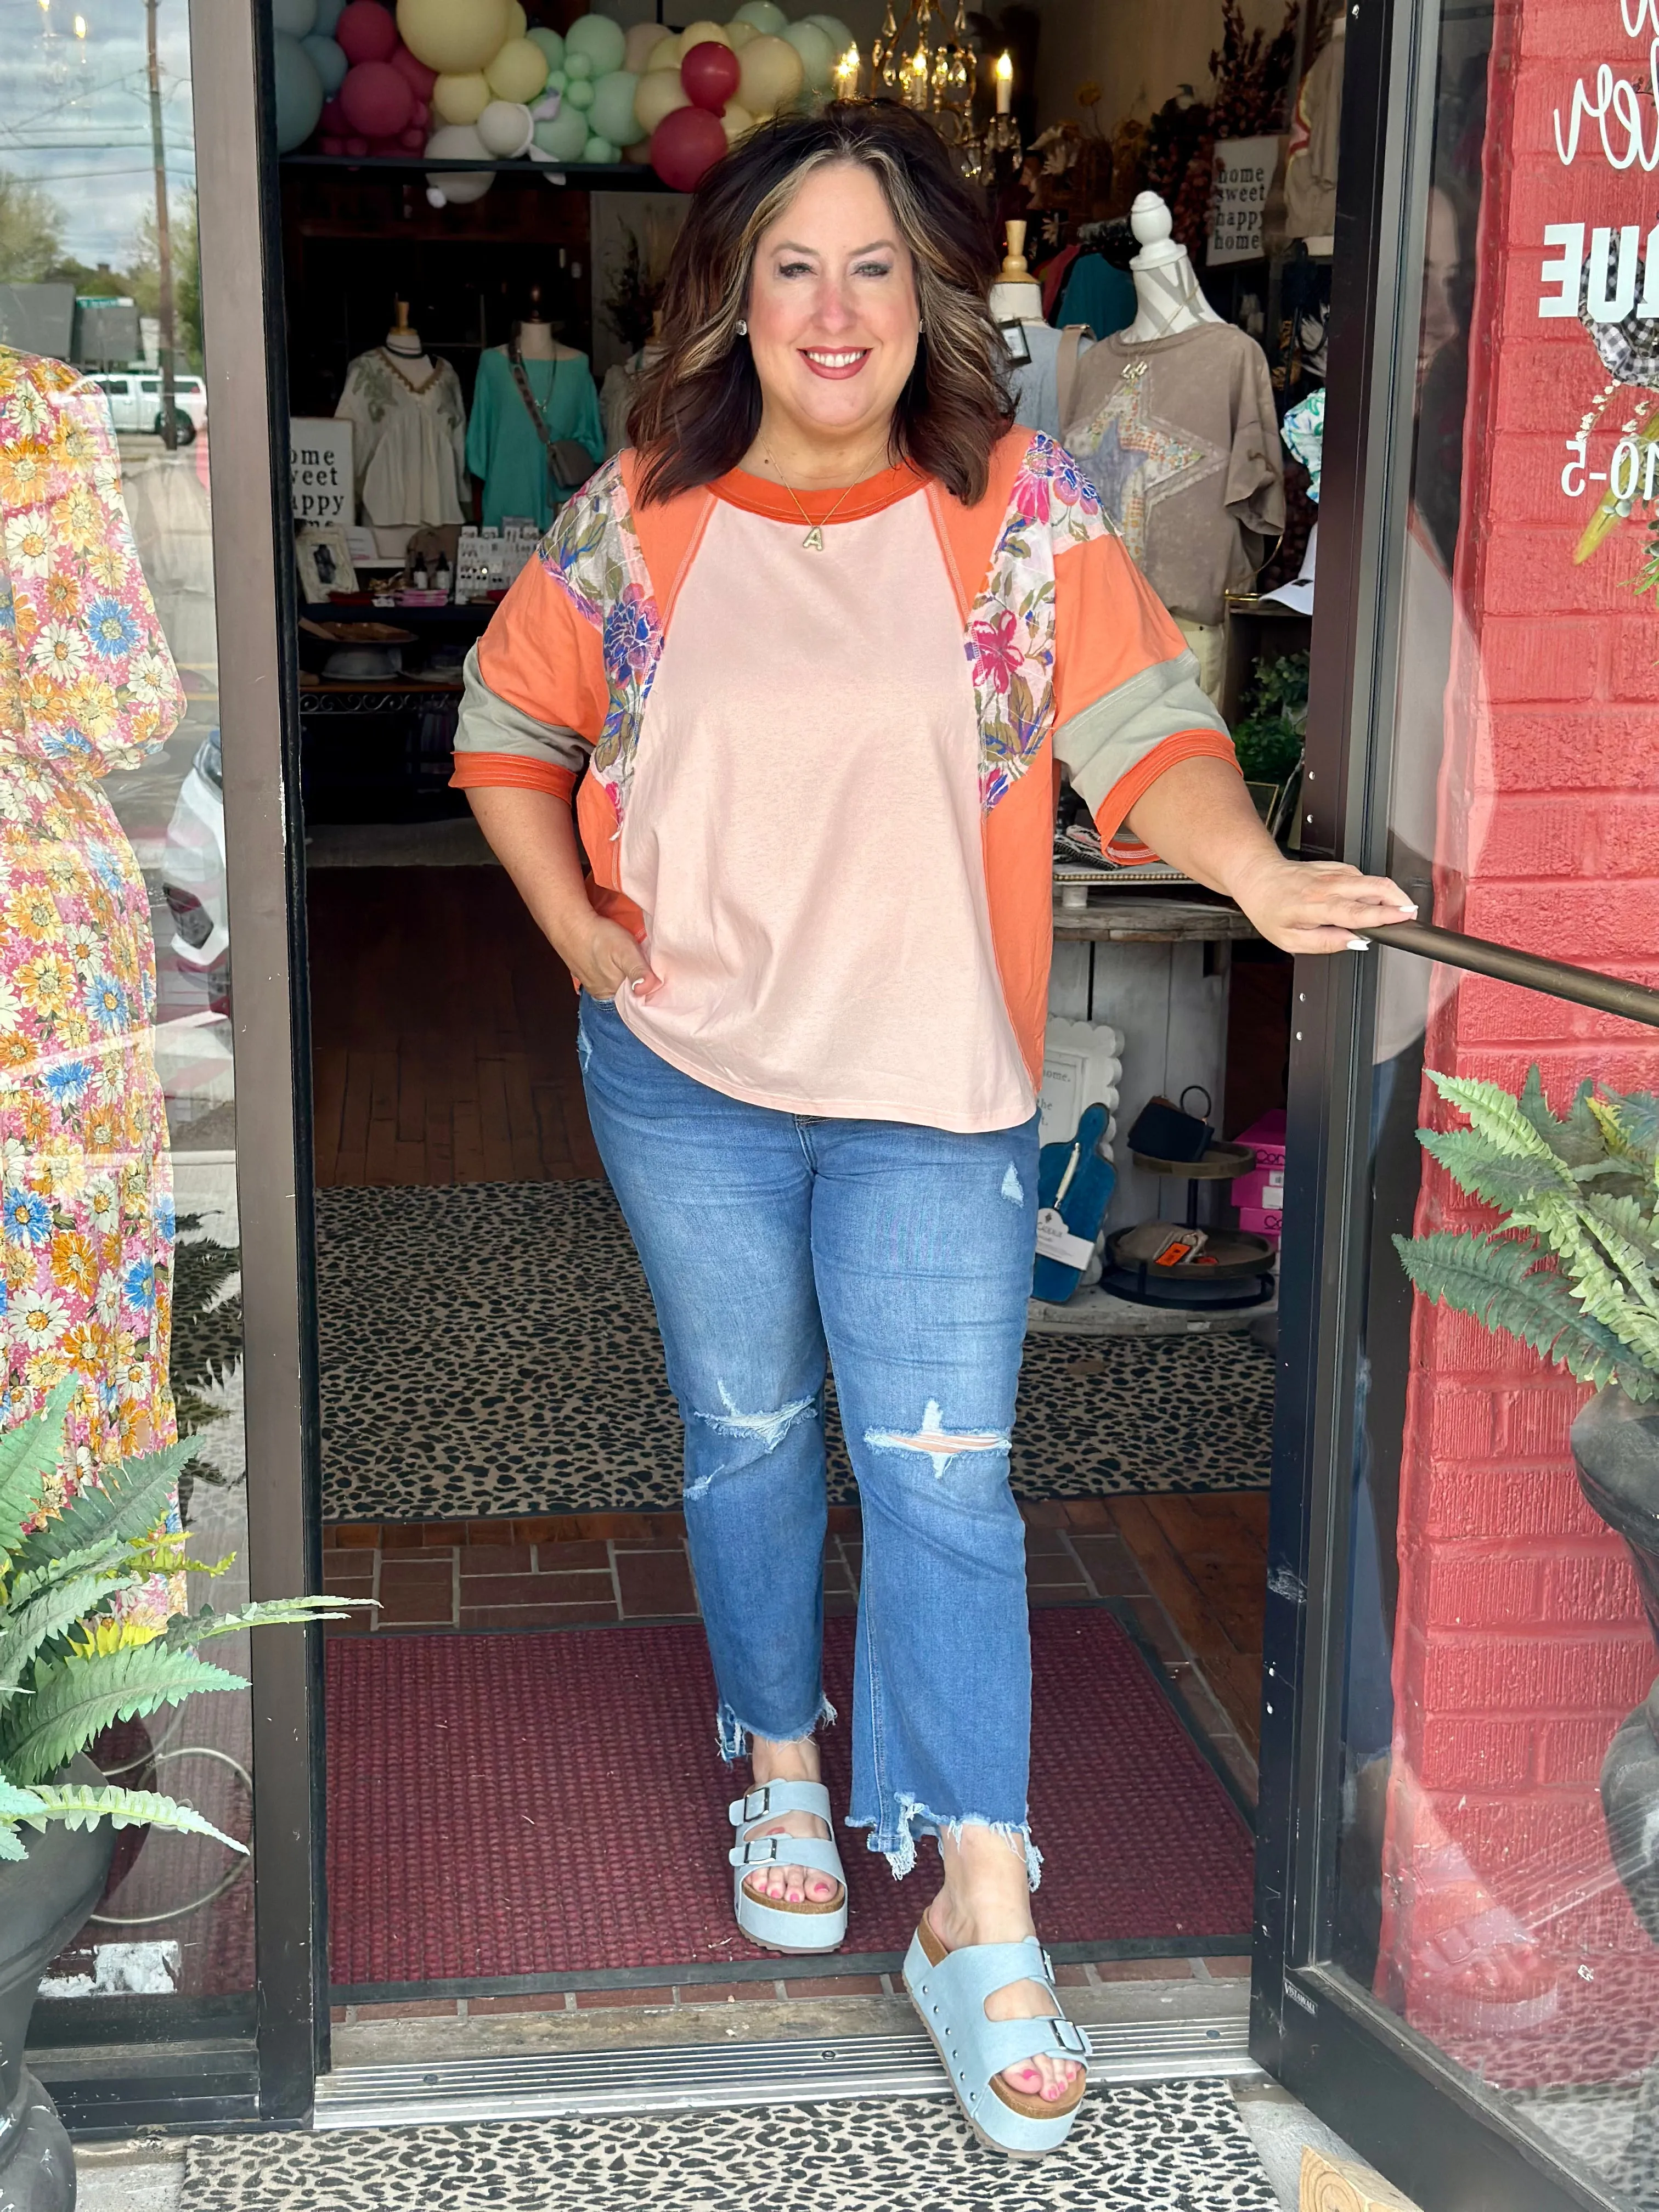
(319, 468)
(1244, 171)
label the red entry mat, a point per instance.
(542, 1804)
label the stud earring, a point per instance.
(742, 329)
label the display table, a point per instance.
(1133, 917)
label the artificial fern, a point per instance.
(1571, 1267)
(68, 1666)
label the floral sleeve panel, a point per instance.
(86, 679)
(1011, 631)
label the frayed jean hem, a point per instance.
(896, 1840)
(734, 1735)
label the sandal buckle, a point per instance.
(753, 1805)
(1071, 2038)
(756, 1850)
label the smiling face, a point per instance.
(832, 313)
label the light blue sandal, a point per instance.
(948, 1990)
(771, 1921)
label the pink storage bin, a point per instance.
(1262, 1189)
(1260, 1221)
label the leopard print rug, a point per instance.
(1170, 2147)
(490, 1349)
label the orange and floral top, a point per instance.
(86, 685)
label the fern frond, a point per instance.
(11, 1843)
(1618, 1144)
(83, 1805)
(28, 1453)
(33, 1625)
(1475, 1164)
(1607, 1276)
(76, 1699)
(184, 1630)
(15, 1804)
(126, 1501)
(1637, 1114)
(90, 1558)
(1625, 1216)
(1494, 1115)
(1499, 1283)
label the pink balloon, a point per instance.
(421, 78)
(709, 74)
(685, 145)
(330, 145)
(412, 141)
(333, 120)
(378, 102)
(357, 147)
(421, 116)
(366, 32)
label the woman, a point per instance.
(86, 686)
(818, 641)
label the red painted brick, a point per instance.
(841, 1985)
(602, 2000)
(1585, 1588)
(1477, 1588)
(1570, 1750)
(726, 1993)
(1492, 1673)
(1483, 1754)
(533, 1616)
(550, 2001)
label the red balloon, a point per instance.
(378, 102)
(685, 145)
(412, 141)
(333, 120)
(709, 74)
(421, 78)
(366, 32)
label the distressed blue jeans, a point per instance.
(770, 1241)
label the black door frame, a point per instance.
(1385, 2088)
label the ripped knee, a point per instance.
(767, 1429)
(940, 1445)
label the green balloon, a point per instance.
(557, 81)
(765, 15)
(579, 93)
(601, 149)
(298, 93)
(577, 64)
(600, 40)
(565, 136)
(550, 44)
(612, 112)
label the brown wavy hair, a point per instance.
(699, 406)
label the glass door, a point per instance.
(146, 1115)
(1457, 1943)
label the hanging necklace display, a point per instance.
(813, 541)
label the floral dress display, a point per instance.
(86, 685)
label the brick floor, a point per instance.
(583, 1570)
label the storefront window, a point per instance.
(1496, 1883)
(117, 1100)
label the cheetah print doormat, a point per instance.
(490, 1349)
(1168, 2146)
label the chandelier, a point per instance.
(928, 65)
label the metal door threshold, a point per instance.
(689, 2077)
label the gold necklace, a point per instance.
(813, 541)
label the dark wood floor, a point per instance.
(443, 1033)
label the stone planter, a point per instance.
(45, 1900)
(1615, 1446)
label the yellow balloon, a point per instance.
(738, 35)
(668, 55)
(453, 36)
(735, 121)
(517, 21)
(660, 93)
(694, 34)
(771, 74)
(461, 99)
(518, 72)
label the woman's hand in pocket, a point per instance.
(606, 959)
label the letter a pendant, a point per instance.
(813, 541)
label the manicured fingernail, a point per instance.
(1408, 910)
(1359, 945)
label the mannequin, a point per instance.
(1043, 360)
(1173, 422)
(409, 431)
(532, 394)
(535, 337)
(1165, 285)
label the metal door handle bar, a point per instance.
(1583, 986)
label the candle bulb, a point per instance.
(1005, 73)
(846, 75)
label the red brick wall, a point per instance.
(1521, 1644)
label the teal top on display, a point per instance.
(503, 448)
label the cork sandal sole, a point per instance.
(1018, 2101)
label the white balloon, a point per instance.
(506, 129)
(456, 141)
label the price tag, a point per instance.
(1054, 1241)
